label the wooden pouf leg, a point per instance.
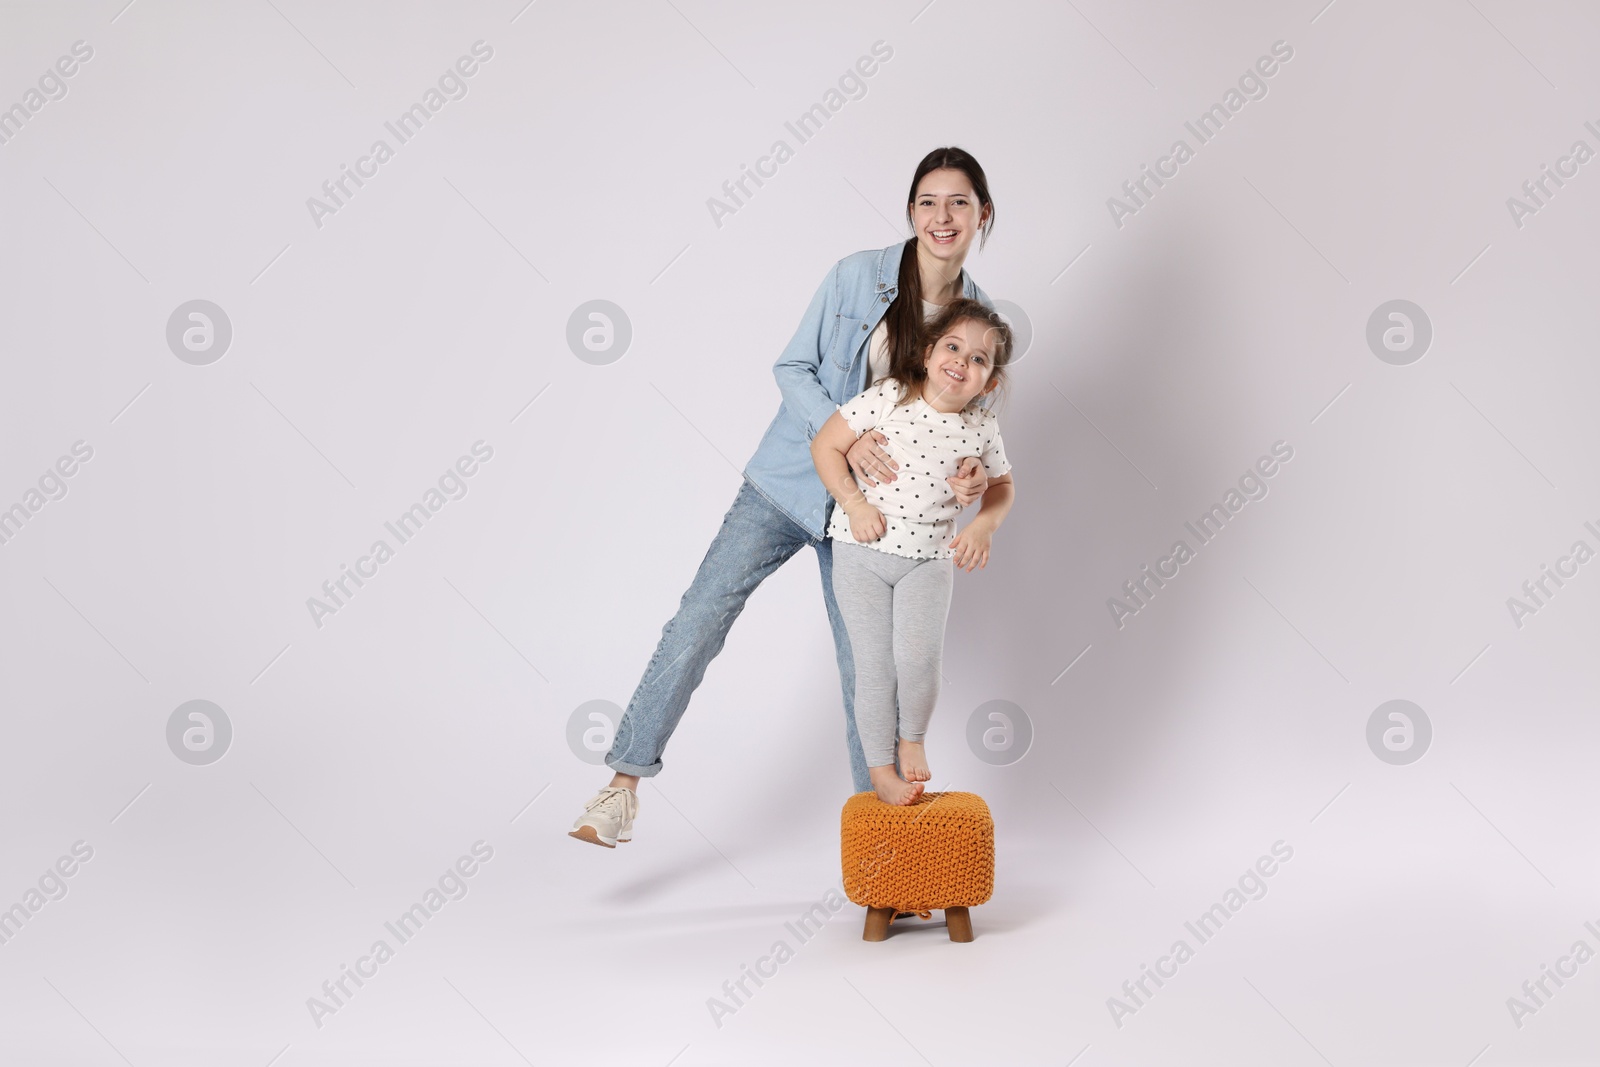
(959, 923)
(877, 924)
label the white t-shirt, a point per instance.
(878, 346)
(919, 507)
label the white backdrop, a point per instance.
(160, 153)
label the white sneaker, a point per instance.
(608, 817)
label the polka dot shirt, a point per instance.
(919, 507)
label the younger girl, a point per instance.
(895, 544)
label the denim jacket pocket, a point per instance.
(846, 339)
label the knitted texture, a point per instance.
(936, 853)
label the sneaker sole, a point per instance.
(589, 834)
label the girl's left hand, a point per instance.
(970, 547)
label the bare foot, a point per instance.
(891, 788)
(913, 761)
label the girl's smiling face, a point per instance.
(960, 366)
(945, 213)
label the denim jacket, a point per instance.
(824, 365)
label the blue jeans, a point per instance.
(755, 540)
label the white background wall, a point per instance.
(1170, 352)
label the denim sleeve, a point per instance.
(796, 370)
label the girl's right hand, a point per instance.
(866, 522)
(870, 462)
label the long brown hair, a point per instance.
(995, 331)
(905, 314)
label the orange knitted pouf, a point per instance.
(936, 853)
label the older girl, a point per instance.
(870, 309)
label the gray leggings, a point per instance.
(894, 608)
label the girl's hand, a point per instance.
(869, 461)
(866, 522)
(970, 547)
(969, 481)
